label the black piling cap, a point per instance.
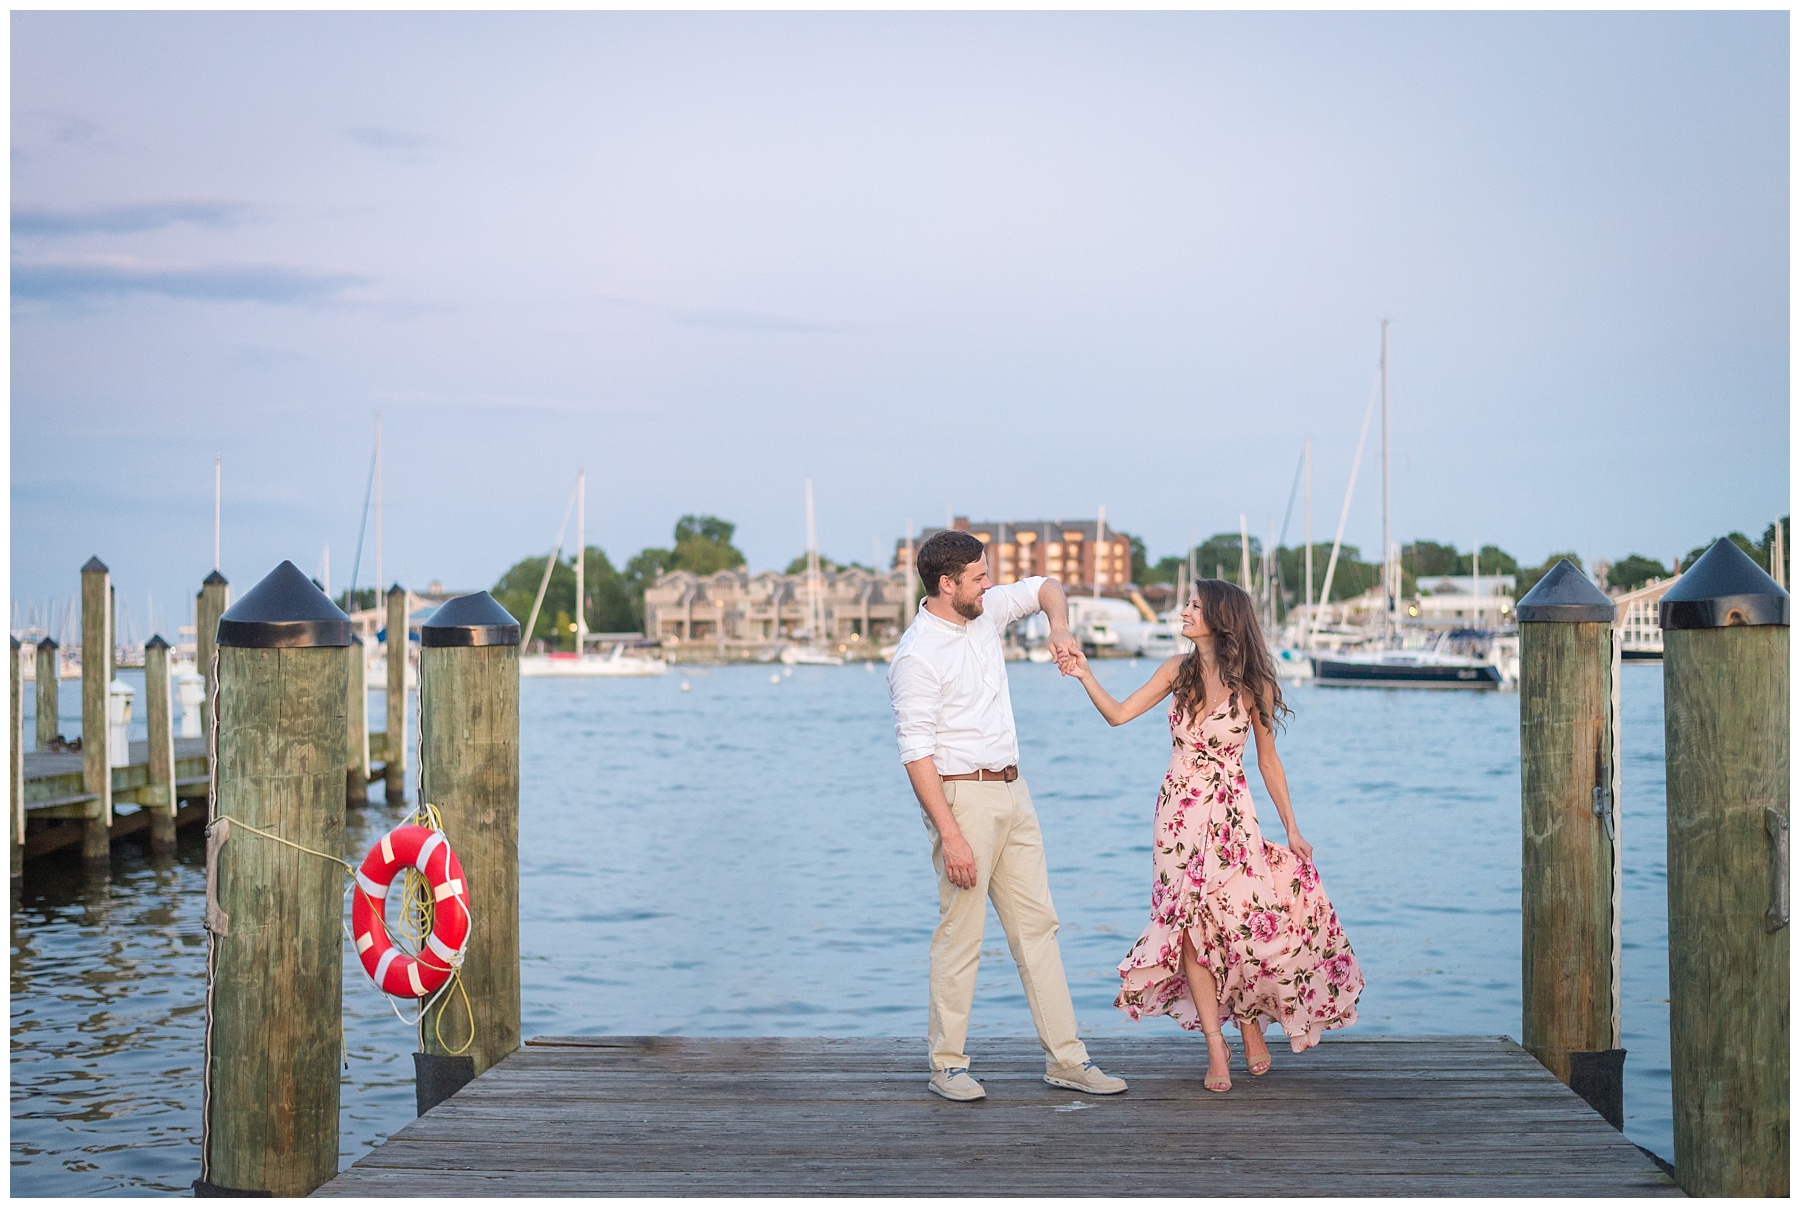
(396, 588)
(284, 611)
(476, 620)
(46, 644)
(356, 639)
(16, 643)
(213, 579)
(1723, 587)
(1566, 595)
(156, 643)
(94, 566)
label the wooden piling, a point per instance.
(96, 678)
(209, 606)
(16, 802)
(396, 695)
(1570, 854)
(274, 1002)
(159, 729)
(49, 718)
(356, 735)
(469, 709)
(1725, 714)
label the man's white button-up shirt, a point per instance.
(948, 685)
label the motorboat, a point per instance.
(1162, 639)
(1437, 666)
(616, 662)
(1291, 664)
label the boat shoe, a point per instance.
(1086, 1077)
(957, 1085)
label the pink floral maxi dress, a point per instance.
(1257, 913)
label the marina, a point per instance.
(391, 845)
(109, 971)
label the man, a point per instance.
(954, 718)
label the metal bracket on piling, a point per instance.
(1603, 807)
(1778, 835)
(217, 921)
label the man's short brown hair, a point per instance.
(946, 553)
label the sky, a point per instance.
(1010, 265)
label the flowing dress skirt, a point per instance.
(1255, 913)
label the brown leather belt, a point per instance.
(1008, 774)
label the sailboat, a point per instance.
(617, 661)
(815, 652)
(1391, 664)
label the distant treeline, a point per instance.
(1218, 557)
(703, 545)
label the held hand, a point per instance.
(1300, 847)
(1077, 665)
(1063, 645)
(959, 861)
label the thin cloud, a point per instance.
(401, 144)
(72, 280)
(29, 221)
(750, 320)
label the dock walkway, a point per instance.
(657, 1116)
(55, 802)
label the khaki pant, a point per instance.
(997, 820)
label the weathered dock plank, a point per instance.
(1360, 1115)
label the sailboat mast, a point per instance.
(1099, 545)
(1389, 588)
(216, 460)
(1308, 455)
(1243, 551)
(379, 581)
(815, 617)
(581, 561)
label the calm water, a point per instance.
(746, 859)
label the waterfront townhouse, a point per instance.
(736, 615)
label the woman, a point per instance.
(1240, 928)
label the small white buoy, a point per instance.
(788, 671)
(776, 678)
(686, 687)
(869, 667)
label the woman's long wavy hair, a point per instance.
(1238, 646)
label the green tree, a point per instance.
(645, 567)
(1633, 571)
(1528, 578)
(1494, 561)
(1428, 559)
(1768, 549)
(609, 607)
(703, 545)
(366, 597)
(1220, 553)
(798, 565)
(1140, 562)
(517, 588)
(1759, 551)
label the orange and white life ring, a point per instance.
(396, 972)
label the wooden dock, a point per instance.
(658, 1116)
(55, 803)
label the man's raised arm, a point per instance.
(1056, 610)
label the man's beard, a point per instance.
(968, 611)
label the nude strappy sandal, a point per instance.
(1213, 1084)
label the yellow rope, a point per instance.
(418, 911)
(257, 830)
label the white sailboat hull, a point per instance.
(559, 666)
